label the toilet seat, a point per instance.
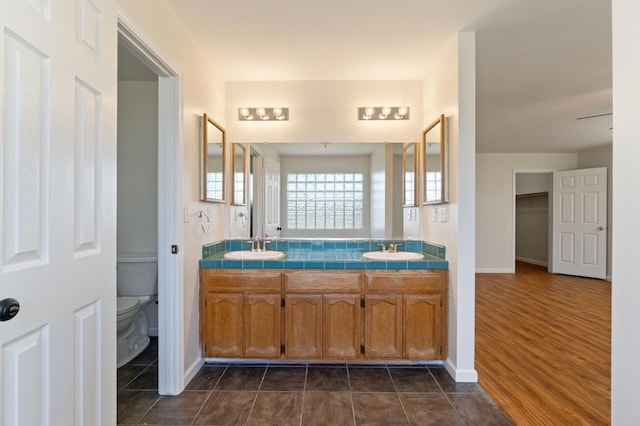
(126, 305)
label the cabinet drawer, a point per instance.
(313, 281)
(224, 280)
(404, 281)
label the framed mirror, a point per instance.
(409, 169)
(238, 165)
(213, 164)
(434, 162)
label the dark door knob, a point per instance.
(8, 309)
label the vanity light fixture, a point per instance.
(263, 114)
(383, 113)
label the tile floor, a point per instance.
(340, 394)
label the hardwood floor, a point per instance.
(543, 346)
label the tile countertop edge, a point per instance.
(340, 255)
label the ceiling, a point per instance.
(540, 64)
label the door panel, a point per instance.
(579, 222)
(262, 326)
(57, 211)
(272, 199)
(303, 326)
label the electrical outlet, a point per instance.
(434, 214)
(187, 214)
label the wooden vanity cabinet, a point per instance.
(322, 315)
(240, 313)
(405, 315)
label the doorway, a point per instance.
(533, 217)
(169, 232)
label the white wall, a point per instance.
(625, 371)
(532, 183)
(323, 111)
(201, 92)
(138, 173)
(450, 89)
(494, 237)
(137, 167)
(602, 157)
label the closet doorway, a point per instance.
(533, 217)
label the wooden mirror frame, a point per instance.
(435, 133)
(239, 174)
(212, 133)
(410, 166)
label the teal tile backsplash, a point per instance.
(325, 254)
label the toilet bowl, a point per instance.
(137, 283)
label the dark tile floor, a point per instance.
(341, 394)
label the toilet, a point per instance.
(137, 283)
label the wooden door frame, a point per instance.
(171, 346)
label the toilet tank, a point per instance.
(137, 274)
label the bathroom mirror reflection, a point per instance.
(434, 160)
(409, 167)
(327, 190)
(238, 165)
(213, 164)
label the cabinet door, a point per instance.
(422, 327)
(341, 326)
(262, 326)
(303, 326)
(383, 326)
(223, 325)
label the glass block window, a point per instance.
(409, 188)
(433, 185)
(238, 186)
(214, 185)
(325, 201)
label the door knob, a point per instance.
(600, 228)
(8, 309)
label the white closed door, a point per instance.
(580, 222)
(57, 212)
(272, 225)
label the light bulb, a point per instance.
(261, 112)
(403, 111)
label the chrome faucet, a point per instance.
(393, 248)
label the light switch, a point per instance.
(434, 214)
(187, 215)
(444, 213)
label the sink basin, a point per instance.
(254, 255)
(400, 255)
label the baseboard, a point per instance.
(532, 261)
(193, 370)
(459, 375)
(495, 271)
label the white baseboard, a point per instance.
(495, 271)
(532, 261)
(193, 370)
(459, 375)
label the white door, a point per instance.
(58, 211)
(272, 224)
(580, 222)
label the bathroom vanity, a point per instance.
(324, 301)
